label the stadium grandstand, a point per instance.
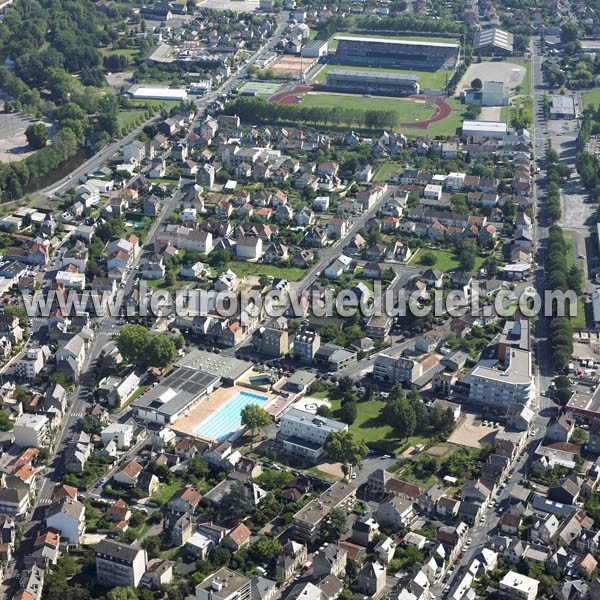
(403, 54)
(381, 84)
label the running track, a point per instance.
(442, 109)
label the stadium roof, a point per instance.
(398, 42)
(373, 74)
(493, 37)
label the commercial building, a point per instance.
(562, 107)
(382, 52)
(518, 587)
(303, 434)
(225, 584)
(493, 42)
(157, 93)
(500, 384)
(182, 389)
(308, 521)
(492, 93)
(119, 564)
(382, 84)
(489, 129)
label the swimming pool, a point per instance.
(227, 418)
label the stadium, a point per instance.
(401, 54)
(382, 84)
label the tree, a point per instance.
(37, 135)
(265, 550)
(139, 347)
(133, 342)
(161, 352)
(578, 437)
(152, 546)
(466, 255)
(122, 593)
(254, 417)
(476, 84)
(569, 32)
(428, 259)
(402, 416)
(349, 412)
(337, 523)
(343, 447)
(237, 503)
(324, 411)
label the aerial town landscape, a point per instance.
(299, 300)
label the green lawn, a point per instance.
(525, 86)
(591, 98)
(370, 425)
(242, 269)
(445, 261)
(127, 117)
(429, 80)
(166, 491)
(578, 321)
(445, 127)
(386, 171)
(407, 110)
(130, 52)
(154, 103)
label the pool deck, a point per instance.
(190, 420)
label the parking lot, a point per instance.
(13, 143)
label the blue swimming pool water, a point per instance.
(227, 418)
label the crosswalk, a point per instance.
(45, 501)
(78, 414)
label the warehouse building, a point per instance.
(157, 93)
(407, 54)
(562, 107)
(493, 42)
(381, 84)
(492, 93)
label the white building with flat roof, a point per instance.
(499, 385)
(491, 129)
(31, 431)
(303, 433)
(518, 587)
(158, 93)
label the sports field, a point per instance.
(428, 80)
(408, 110)
(262, 88)
(591, 98)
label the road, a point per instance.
(481, 531)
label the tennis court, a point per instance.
(262, 88)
